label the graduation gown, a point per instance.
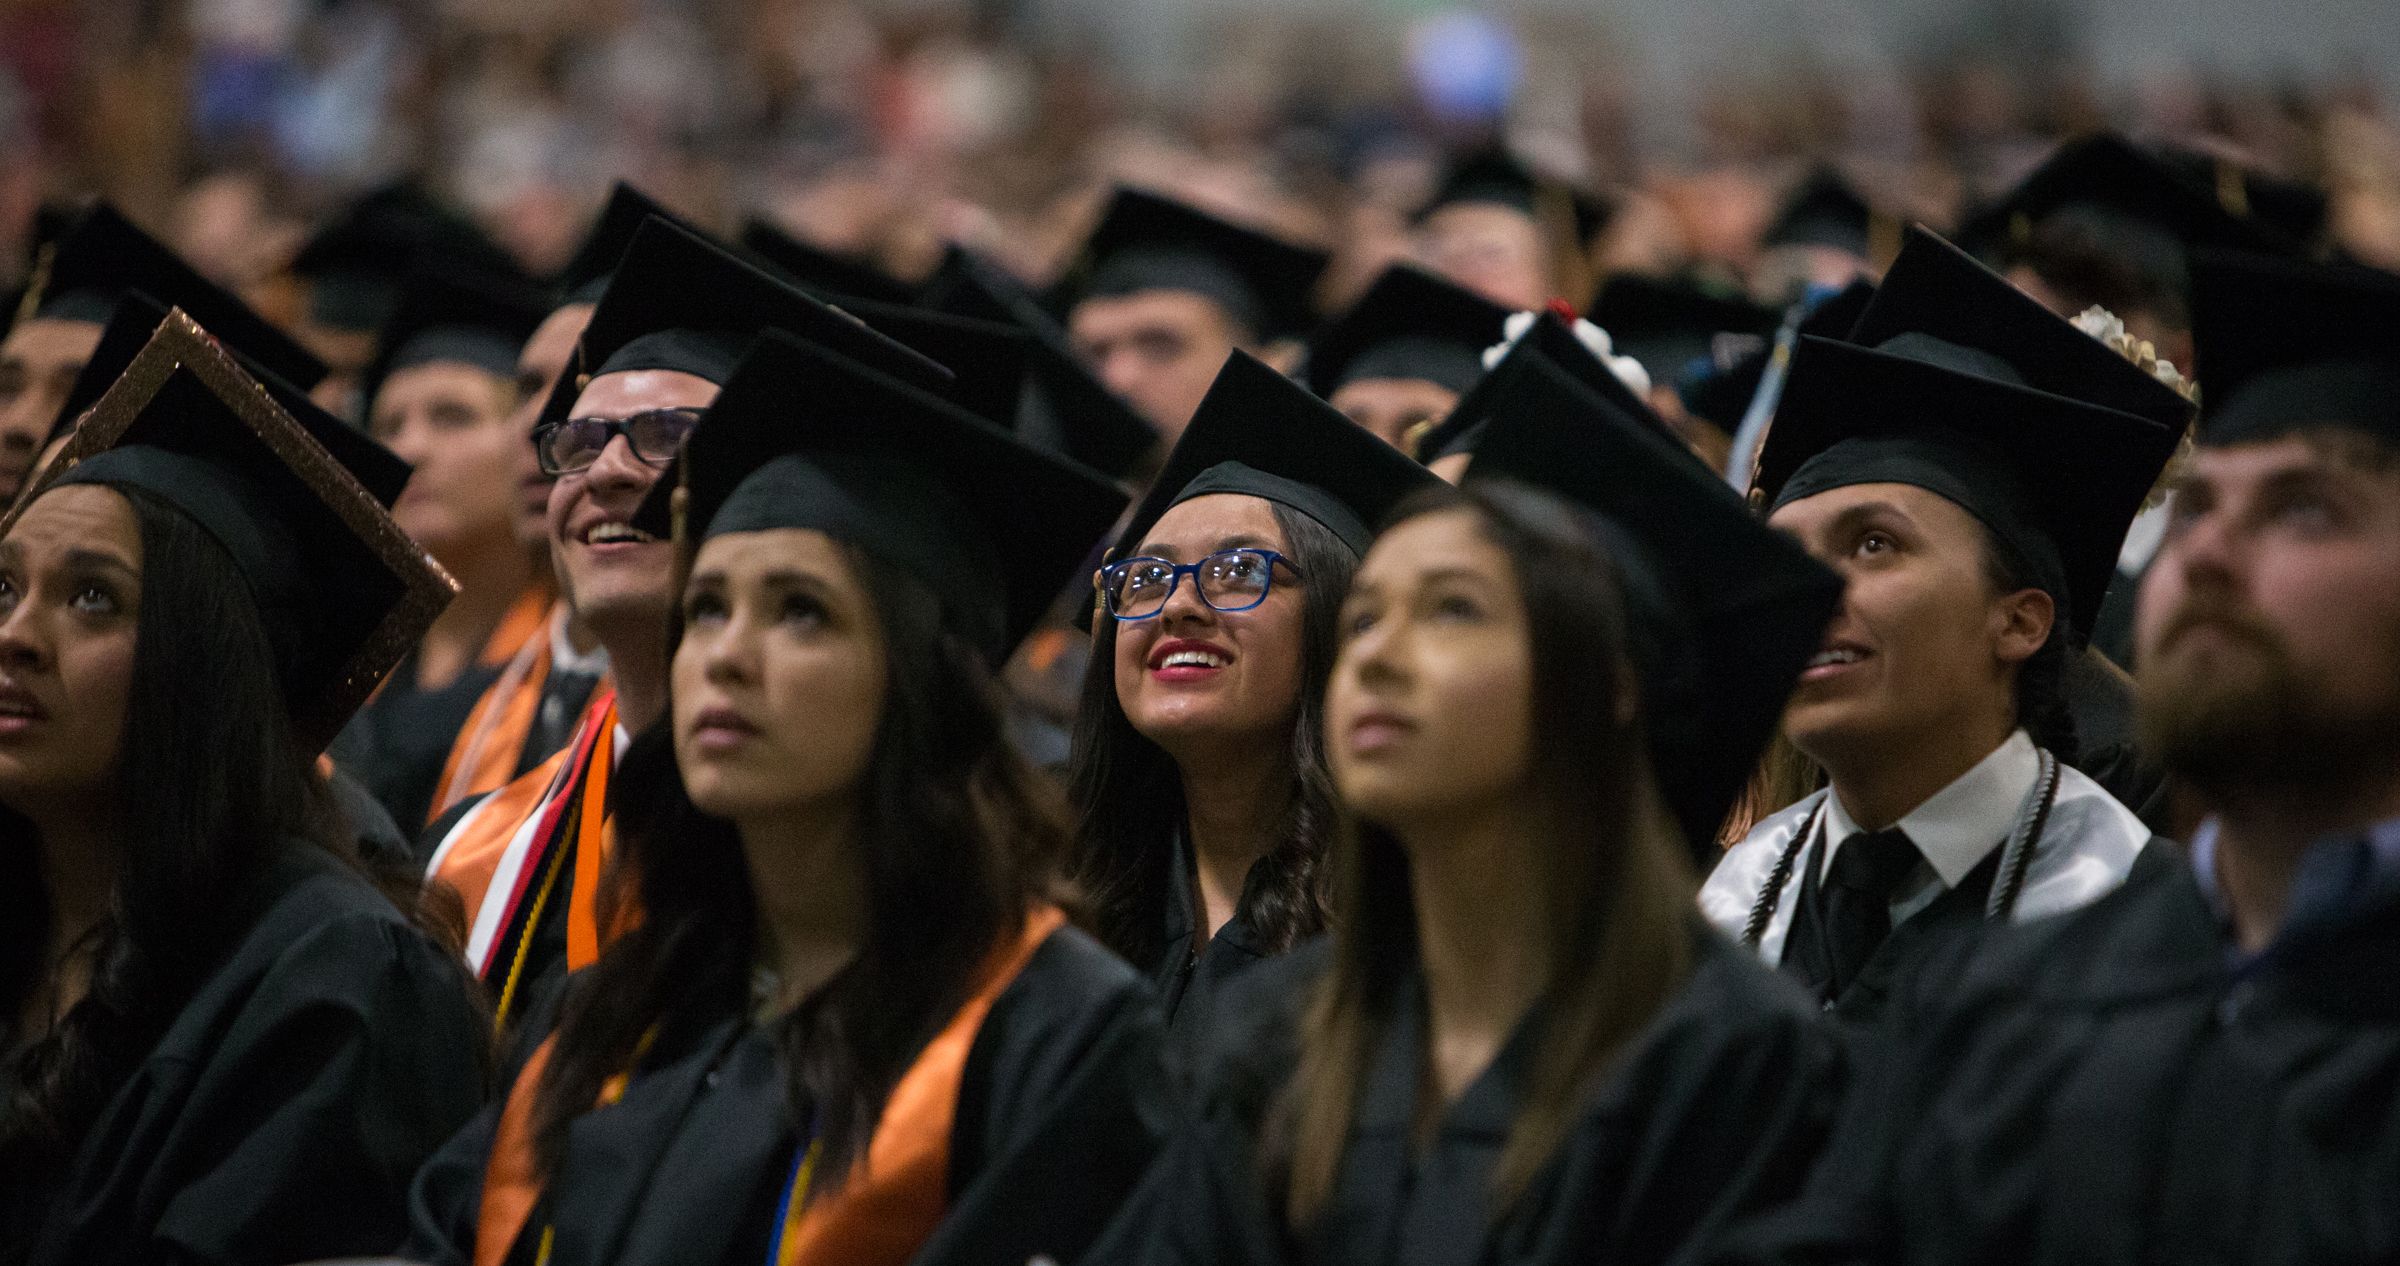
(283, 1113)
(1059, 1108)
(1191, 984)
(523, 718)
(2112, 1087)
(2087, 847)
(1718, 1108)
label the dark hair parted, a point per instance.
(958, 837)
(209, 786)
(1128, 793)
(1618, 910)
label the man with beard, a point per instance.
(2205, 1066)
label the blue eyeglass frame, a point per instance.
(1103, 581)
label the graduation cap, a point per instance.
(987, 359)
(1258, 433)
(820, 271)
(1554, 341)
(1409, 324)
(136, 320)
(1723, 397)
(297, 499)
(357, 263)
(1066, 409)
(2295, 209)
(104, 258)
(449, 316)
(1934, 288)
(2129, 195)
(681, 302)
(2287, 345)
(1676, 329)
(1149, 242)
(1723, 611)
(2055, 479)
(1497, 177)
(806, 438)
(587, 274)
(1827, 210)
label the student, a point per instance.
(2200, 1067)
(525, 862)
(1162, 292)
(1203, 809)
(1974, 499)
(1516, 236)
(1520, 1044)
(1399, 359)
(223, 1042)
(852, 1026)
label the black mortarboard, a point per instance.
(1260, 434)
(356, 264)
(1067, 409)
(678, 301)
(137, 319)
(1554, 341)
(104, 257)
(1677, 330)
(2055, 480)
(822, 272)
(1495, 176)
(297, 500)
(1723, 397)
(1826, 210)
(1723, 612)
(2297, 210)
(2110, 178)
(587, 274)
(2286, 345)
(1409, 324)
(1149, 242)
(987, 359)
(804, 438)
(446, 315)
(1935, 288)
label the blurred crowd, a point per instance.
(884, 131)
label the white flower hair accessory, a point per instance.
(2109, 328)
(1628, 370)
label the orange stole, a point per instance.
(484, 756)
(887, 1206)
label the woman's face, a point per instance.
(1192, 677)
(779, 680)
(1429, 716)
(70, 598)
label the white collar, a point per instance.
(1960, 824)
(563, 655)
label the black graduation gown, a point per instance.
(1189, 985)
(281, 1116)
(397, 744)
(1061, 1107)
(2105, 1087)
(1718, 1108)
(1919, 940)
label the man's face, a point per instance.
(449, 421)
(539, 365)
(1159, 350)
(1395, 410)
(1493, 250)
(2268, 632)
(38, 365)
(611, 575)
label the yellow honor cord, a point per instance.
(787, 1236)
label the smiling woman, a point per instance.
(1199, 769)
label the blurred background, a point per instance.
(885, 128)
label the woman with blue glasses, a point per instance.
(1199, 771)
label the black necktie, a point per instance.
(1857, 900)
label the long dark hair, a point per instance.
(1128, 794)
(210, 785)
(958, 838)
(1619, 880)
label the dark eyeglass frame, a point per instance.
(1104, 581)
(545, 435)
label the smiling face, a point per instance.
(1193, 677)
(38, 364)
(779, 680)
(540, 364)
(450, 423)
(613, 576)
(1922, 657)
(2269, 625)
(70, 598)
(1429, 716)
